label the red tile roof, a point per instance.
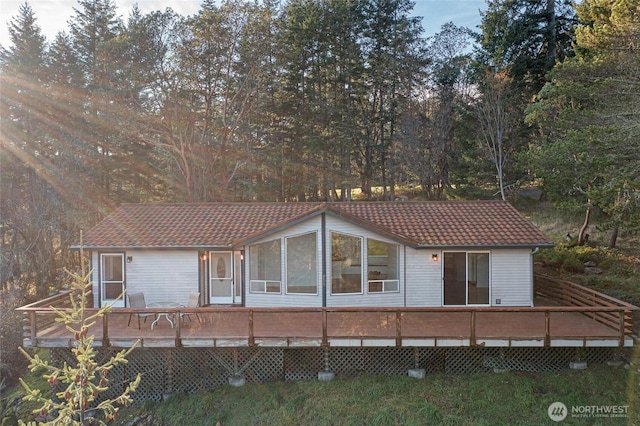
(217, 225)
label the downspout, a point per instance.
(404, 275)
(533, 282)
(243, 287)
(324, 259)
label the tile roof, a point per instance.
(217, 225)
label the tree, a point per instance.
(589, 115)
(28, 229)
(428, 143)
(321, 83)
(527, 37)
(27, 51)
(83, 382)
(494, 110)
(393, 55)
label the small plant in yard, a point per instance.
(84, 381)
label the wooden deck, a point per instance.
(569, 315)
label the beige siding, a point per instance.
(511, 277)
(163, 275)
(424, 278)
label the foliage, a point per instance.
(83, 382)
(588, 117)
(432, 127)
(526, 37)
(11, 363)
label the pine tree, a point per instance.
(87, 379)
(28, 49)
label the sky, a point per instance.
(52, 15)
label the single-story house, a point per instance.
(383, 254)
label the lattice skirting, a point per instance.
(172, 370)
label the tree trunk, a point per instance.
(583, 228)
(614, 237)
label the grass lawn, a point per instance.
(481, 399)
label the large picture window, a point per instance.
(382, 267)
(265, 267)
(302, 264)
(346, 264)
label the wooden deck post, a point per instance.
(622, 328)
(33, 325)
(251, 336)
(398, 328)
(105, 330)
(547, 329)
(178, 320)
(472, 324)
(325, 339)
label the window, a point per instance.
(346, 264)
(302, 264)
(382, 267)
(265, 267)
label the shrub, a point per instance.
(572, 264)
(11, 363)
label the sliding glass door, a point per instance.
(466, 278)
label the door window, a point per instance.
(112, 275)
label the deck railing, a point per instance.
(566, 293)
(445, 326)
(38, 315)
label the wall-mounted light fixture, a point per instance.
(204, 256)
(434, 257)
(129, 259)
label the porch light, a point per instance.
(129, 259)
(434, 257)
(204, 256)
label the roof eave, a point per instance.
(197, 247)
(484, 246)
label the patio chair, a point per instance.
(194, 302)
(136, 300)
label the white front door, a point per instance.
(112, 279)
(225, 277)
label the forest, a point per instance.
(310, 100)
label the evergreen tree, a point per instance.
(82, 382)
(394, 63)
(527, 38)
(27, 51)
(588, 116)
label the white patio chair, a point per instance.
(136, 300)
(194, 302)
